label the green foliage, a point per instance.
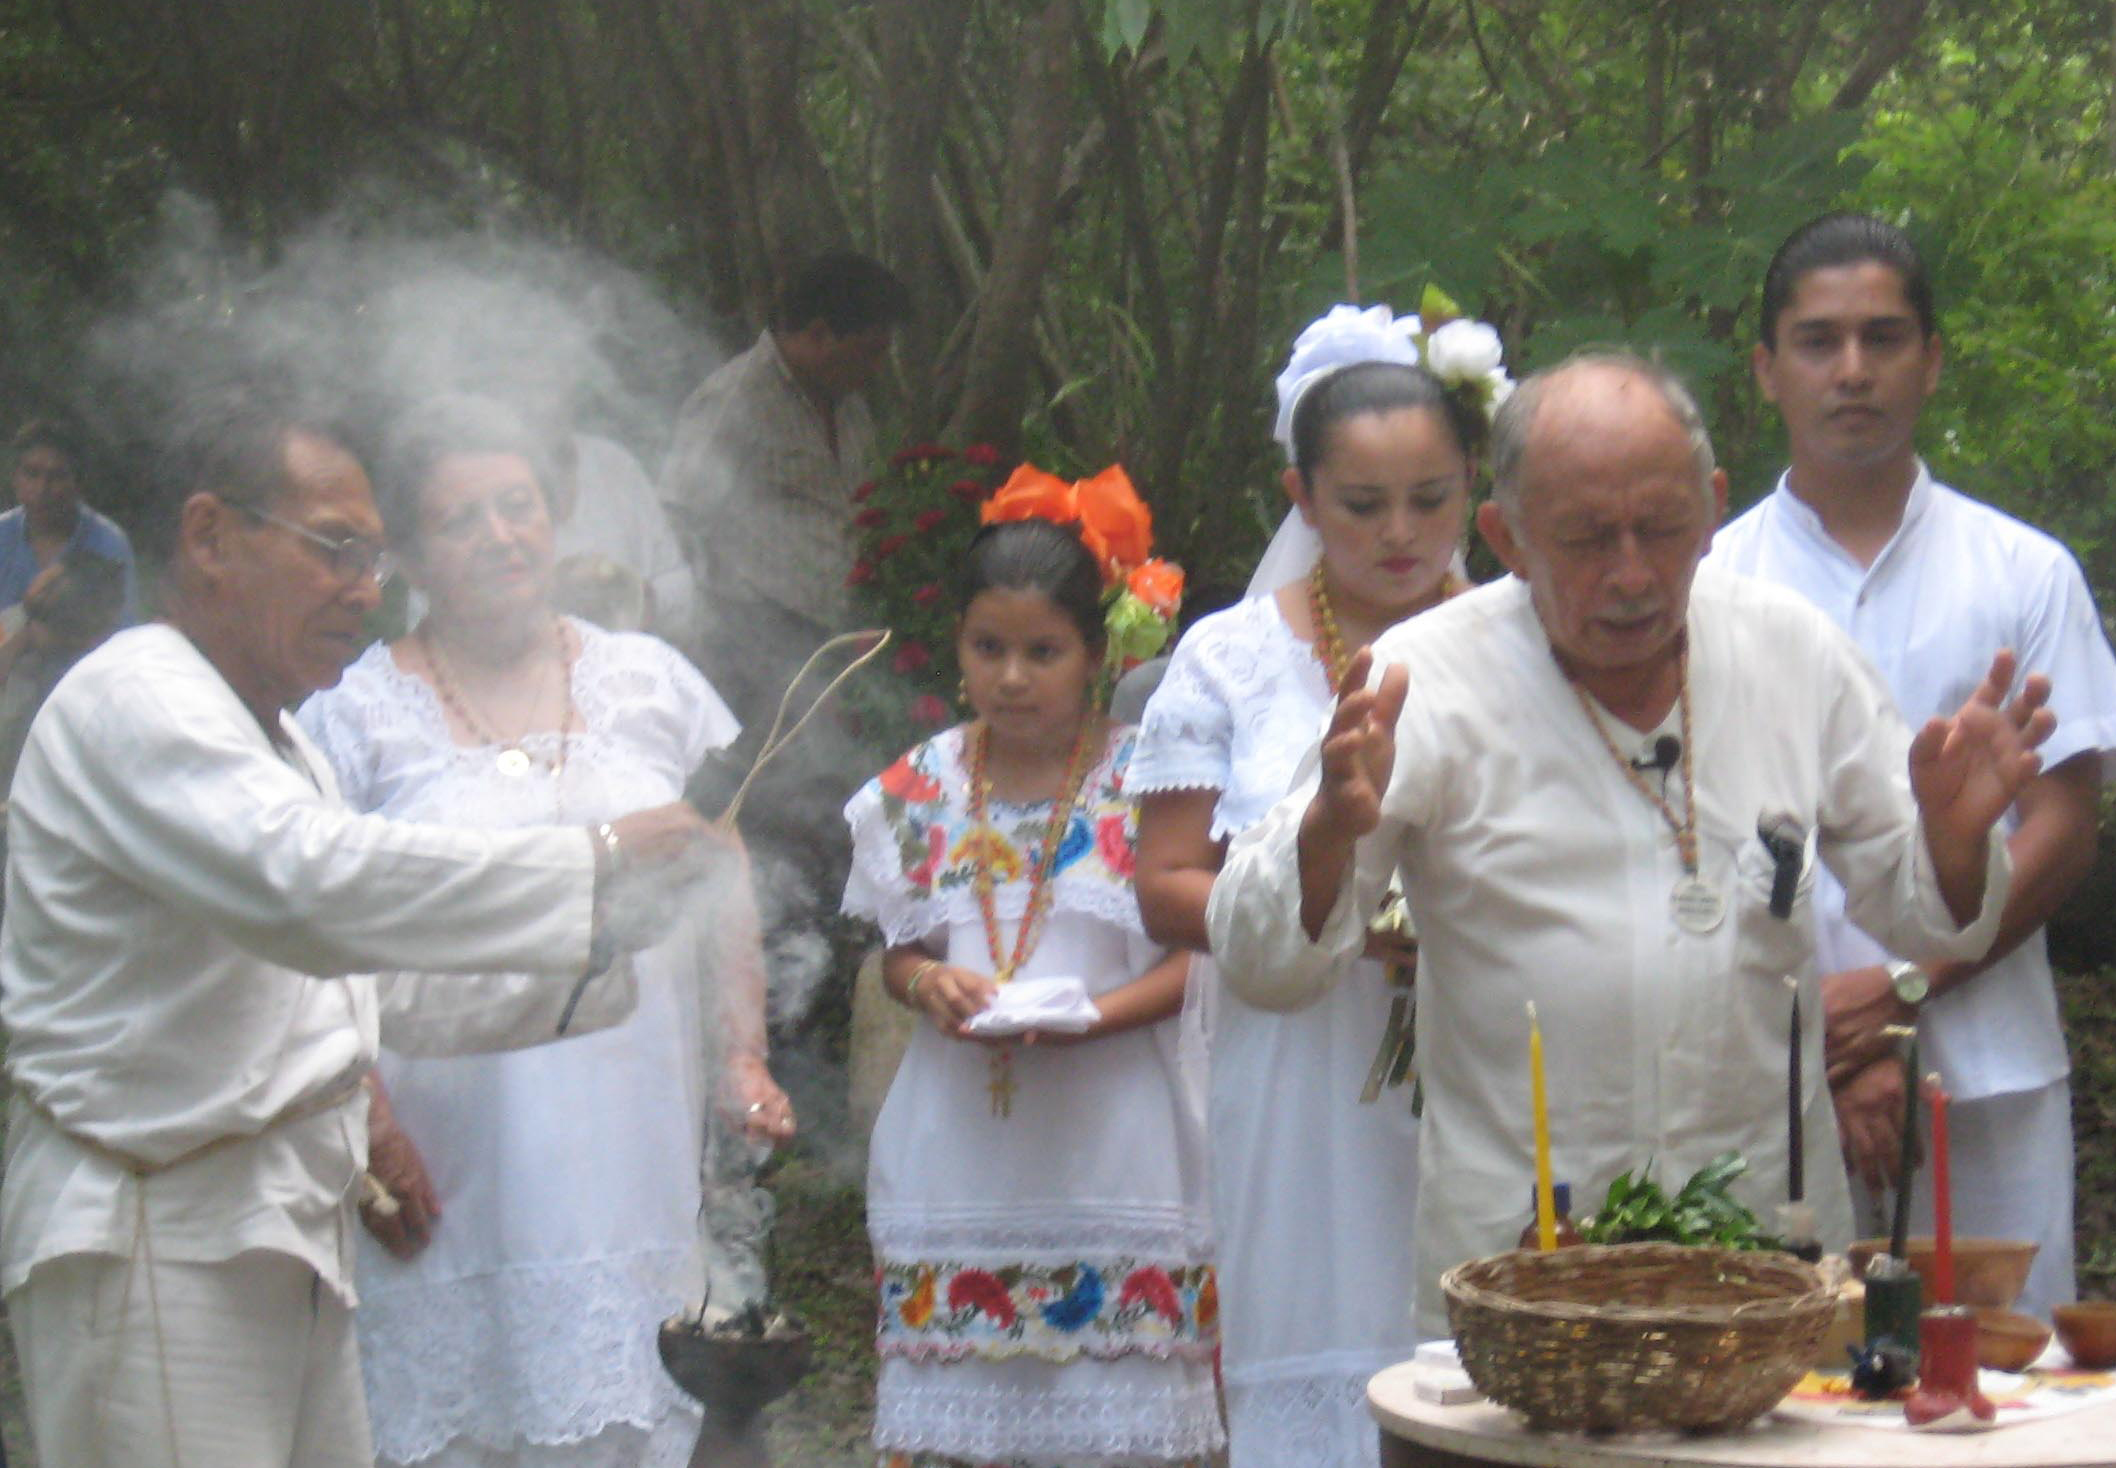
(1636, 1211)
(1188, 29)
(1577, 171)
(1994, 162)
(1576, 246)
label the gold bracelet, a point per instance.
(911, 985)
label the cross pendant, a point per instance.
(1001, 1086)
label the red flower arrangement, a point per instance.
(911, 526)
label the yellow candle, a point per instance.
(1539, 1101)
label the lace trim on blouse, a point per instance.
(990, 1422)
(1243, 700)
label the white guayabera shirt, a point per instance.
(1538, 872)
(174, 879)
(1958, 581)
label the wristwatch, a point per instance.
(1911, 983)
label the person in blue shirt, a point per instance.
(49, 519)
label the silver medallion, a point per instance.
(513, 763)
(1697, 905)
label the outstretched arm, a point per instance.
(2052, 849)
(1966, 771)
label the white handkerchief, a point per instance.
(1059, 1005)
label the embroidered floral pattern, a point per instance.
(938, 848)
(908, 783)
(1054, 1312)
(1114, 840)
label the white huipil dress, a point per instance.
(568, 1173)
(1045, 1291)
(1313, 1193)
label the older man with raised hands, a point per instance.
(189, 907)
(1607, 788)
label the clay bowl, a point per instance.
(2007, 1340)
(2088, 1332)
(1986, 1271)
(735, 1373)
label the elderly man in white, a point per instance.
(1574, 787)
(186, 900)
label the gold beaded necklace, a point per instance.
(1329, 643)
(513, 760)
(1039, 901)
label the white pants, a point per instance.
(262, 1366)
(2010, 1167)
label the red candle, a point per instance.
(1942, 1197)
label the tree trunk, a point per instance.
(1184, 400)
(996, 373)
(750, 55)
(1895, 32)
(918, 44)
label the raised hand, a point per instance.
(1966, 771)
(1359, 749)
(1358, 755)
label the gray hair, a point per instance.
(1516, 419)
(459, 423)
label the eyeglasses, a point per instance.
(350, 557)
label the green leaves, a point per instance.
(1636, 1211)
(1189, 28)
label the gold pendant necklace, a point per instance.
(513, 760)
(1697, 906)
(1001, 1086)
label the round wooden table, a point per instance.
(1416, 1433)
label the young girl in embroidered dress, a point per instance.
(1036, 1202)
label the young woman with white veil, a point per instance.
(1314, 1170)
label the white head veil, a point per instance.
(1342, 337)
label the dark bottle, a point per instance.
(1561, 1204)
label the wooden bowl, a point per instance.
(1988, 1272)
(2007, 1340)
(2088, 1332)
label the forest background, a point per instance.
(1114, 214)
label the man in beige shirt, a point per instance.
(759, 479)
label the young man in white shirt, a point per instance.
(1930, 584)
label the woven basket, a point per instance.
(1628, 1337)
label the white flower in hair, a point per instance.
(1498, 387)
(1343, 336)
(1463, 351)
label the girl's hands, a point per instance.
(948, 996)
